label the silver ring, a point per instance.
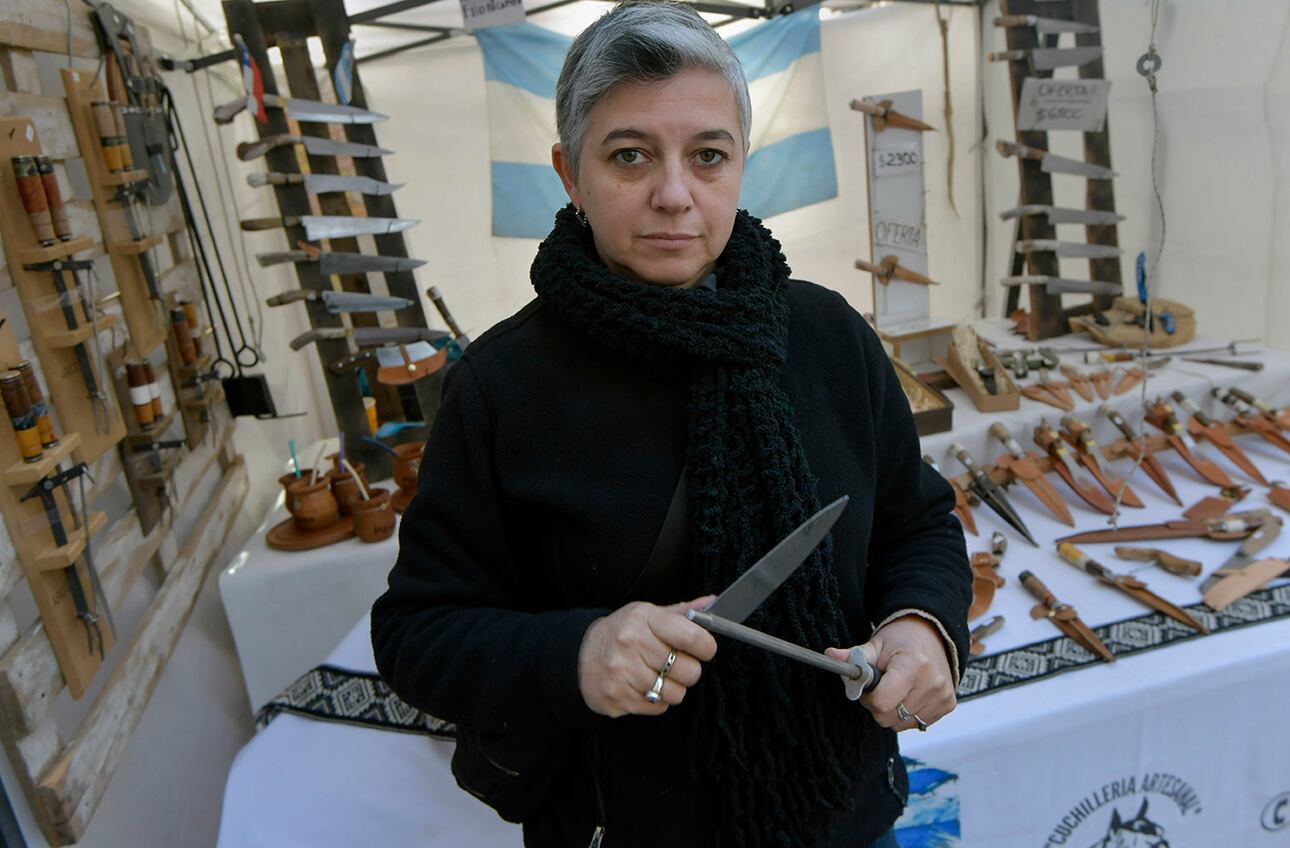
(667, 666)
(905, 715)
(656, 691)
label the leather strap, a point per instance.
(670, 544)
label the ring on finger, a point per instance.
(905, 715)
(655, 692)
(667, 666)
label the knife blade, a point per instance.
(320, 227)
(1063, 616)
(341, 263)
(1043, 26)
(961, 506)
(308, 111)
(1129, 585)
(1200, 424)
(324, 183)
(368, 335)
(764, 576)
(1024, 467)
(337, 302)
(1061, 285)
(990, 493)
(248, 150)
(1150, 465)
(1049, 58)
(1063, 215)
(1069, 249)
(1053, 164)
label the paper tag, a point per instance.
(478, 14)
(896, 159)
(1052, 104)
(891, 233)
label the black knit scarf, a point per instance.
(775, 740)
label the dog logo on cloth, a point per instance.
(1137, 832)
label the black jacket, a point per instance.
(545, 481)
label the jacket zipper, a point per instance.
(598, 834)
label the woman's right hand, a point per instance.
(622, 653)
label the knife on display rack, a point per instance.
(1090, 455)
(1135, 445)
(1053, 164)
(1161, 415)
(990, 493)
(1024, 466)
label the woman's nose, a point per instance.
(672, 192)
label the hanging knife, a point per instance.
(1047, 437)
(1161, 415)
(1063, 215)
(1061, 285)
(1252, 419)
(1080, 435)
(1079, 381)
(960, 499)
(1200, 424)
(1025, 467)
(1064, 617)
(337, 302)
(1232, 580)
(341, 263)
(884, 116)
(981, 631)
(1173, 564)
(306, 111)
(990, 493)
(248, 150)
(1069, 249)
(1224, 528)
(742, 597)
(368, 335)
(1043, 26)
(1049, 58)
(1131, 586)
(1053, 164)
(324, 183)
(891, 269)
(319, 227)
(1149, 463)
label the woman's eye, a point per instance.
(628, 157)
(711, 157)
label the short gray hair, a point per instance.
(639, 41)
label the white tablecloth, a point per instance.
(1190, 738)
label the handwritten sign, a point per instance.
(1053, 104)
(895, 159)
(888, 232)
(478, 14)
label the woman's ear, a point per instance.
(564, 168)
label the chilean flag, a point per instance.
(251, 81)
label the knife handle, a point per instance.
(1036, 587)
(1001, 433)
(226, 113)
(251, 225)
(1006, 56)
(1081, 560)
(1118, 420)
(278, 258)
(1013, 20)
(274, 178)
(248, 150)
(869, 108)
(437, 299)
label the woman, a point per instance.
(667, 343)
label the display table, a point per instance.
(1048, 747)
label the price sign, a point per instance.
(478, 14)
(896, 159)
(888, 232)
(1052, 104)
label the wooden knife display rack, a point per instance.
(1046, 316)
(287, 25)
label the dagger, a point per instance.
(884, 116)
(1161, 415)
(324, 183)
(1024, 467)
(307, 111)
(319, 227)
(960, 499)
(1223, 528)
(1069, 249)
(978, 634)
(1064, 215)
(1149, 463)
(1090, 455)
(1046, 437)
(1129, 585)
(891, 269)
(1043, 26)
(368, 335)
(1063, 616)
(341, 263)
(1251, 419)
(1217, 434)
(1173, 564)
(1265, 535)
(1061, 285)
(1079, 381)
(990, 493)
(1053, 164)
(248, 150)
(337, 302)
(1049, 58)
(1258, 403)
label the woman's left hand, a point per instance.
(915, 672)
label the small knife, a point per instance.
(991, 494)
(1131, 586)
(1251, 419)
(1047, 437)
(1173, 564)
(1200, 424)
(1064, 617)
(1137, 445)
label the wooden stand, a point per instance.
(142, 314)
(58, 348)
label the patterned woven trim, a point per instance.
(352, 697)
(1131, 636)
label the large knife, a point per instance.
(751, 588)
(1200, 425)
(319, 227)
(1064, 617)
(1224, 528)
(341, 263)
(301, 110)
(1063, 215)
(1047, 437)
(1025, 467)
(368, 335)
(1049, 58)
(248, 150)
(990, 493)
(1129, 585)
(324, 183)
(1161, 415)
(1061, 285)
(1069, 249)
(1137, 445)
(1052, 164)
(1043, 26)
(337, 302)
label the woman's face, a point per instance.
(659, 176)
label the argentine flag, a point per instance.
(790, 160)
